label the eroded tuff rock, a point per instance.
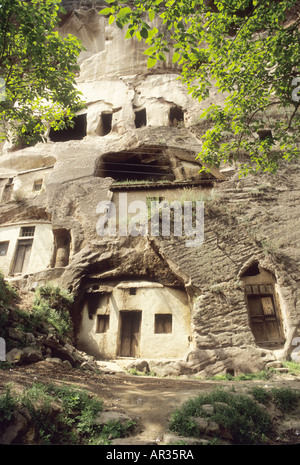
(229, 304)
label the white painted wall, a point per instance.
(42, 247)
(150, 298)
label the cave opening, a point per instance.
(62, 243)
(105, 125)
(148, 164)
(76, 132)
(176, 115)
(140, 118)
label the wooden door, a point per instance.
(264, 320)
(130, 333)
(22, 256)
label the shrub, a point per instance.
(285, 398)
(63, 415)
(52, 305)
(247, 422)
(261, 395)
(73, 422)
(7, 292)
(3, 322)
(7, 405)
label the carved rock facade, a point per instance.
(229, 304)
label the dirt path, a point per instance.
(148, 400)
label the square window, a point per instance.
(37, 185)
(163, 323)
(102, 323)
(132, 291)
(3, 248)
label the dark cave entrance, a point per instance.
(143, 164)
(77, 132)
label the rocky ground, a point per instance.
(148, 400)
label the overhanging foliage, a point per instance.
(248, 50)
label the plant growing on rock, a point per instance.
(52, 305)
(248, 50)
(243, 419)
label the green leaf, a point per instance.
(151, 62)
(176, 57)
(105, 11)
(144, 33)
(151, 15)
(124, 11)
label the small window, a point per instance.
(37, 185)
(105, 123)
(132, 291)
(163, 323)
(27, 231)
(102, 323)
(265, 134)
(252, 270)
(176, 116)
(3, 248)
(140, 118)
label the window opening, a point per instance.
(77, 132)
(132, 291)
(27, 231)
(37, 185)
(253, 270)
(163, 323)
(102, 323)
(62, 244)
(7, 190)
(105, 125)
(265, 134)
(3, 248)
(176, 116)
(140, 118)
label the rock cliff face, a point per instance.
(227, 304)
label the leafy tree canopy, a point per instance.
(249, 50)
(37, 70)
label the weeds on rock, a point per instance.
(243, 419)
(50, 308)
(62, 415)
(284, 398)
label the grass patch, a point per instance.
(261, 375)
(63, 415)
(284, 398)
(135, 372)
(293, 367)
(240, 415)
